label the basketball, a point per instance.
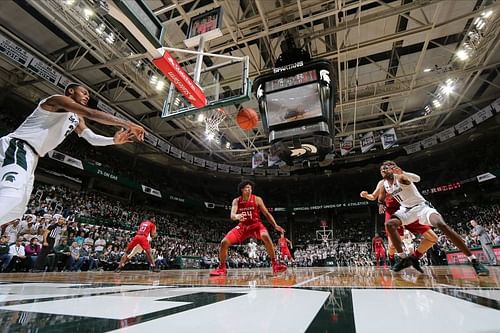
(247, 118)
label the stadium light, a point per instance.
(160, 85)
(462, 55)
(487, 13)
(88, 13)
(110, 38)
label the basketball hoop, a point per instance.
(212, 121)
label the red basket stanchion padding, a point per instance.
(181, 80)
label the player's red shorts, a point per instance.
(285, 252)
(388, 213)
(379, 252)
(417, 228)
(141, 240)
(241, 232)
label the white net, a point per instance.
(213, 119)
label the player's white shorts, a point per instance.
(252, 255)
(420, 212)
(17, 168)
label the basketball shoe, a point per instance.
(278, 268)
(401, 263)
(479, 268)
(154, 269)
(219, 271)
(415, 262)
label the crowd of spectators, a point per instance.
(98, 229)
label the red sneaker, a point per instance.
(219, 271)
(278, 268)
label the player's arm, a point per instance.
(121, 136)
(56, 103)
(404, 177)
(289, 242)
(379, 190)
(45, 235)
(234, 209)
(154, 234)
(269, 217)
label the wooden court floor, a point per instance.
(343, 299)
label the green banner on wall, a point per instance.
(98, 170)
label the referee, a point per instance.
(485, 240)
(49, 238)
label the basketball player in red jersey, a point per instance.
(246, 209)
(146, 228)
(378, 248)
(283, 244)
(389, 206)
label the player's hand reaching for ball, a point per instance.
(137, 131)
(396, 170)
(122, 136)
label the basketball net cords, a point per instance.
(212, 121)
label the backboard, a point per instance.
(224, 80)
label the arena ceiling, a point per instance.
(393, 60)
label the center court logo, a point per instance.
(9, 176)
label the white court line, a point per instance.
(310, 280)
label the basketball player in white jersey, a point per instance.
(409, 245)
(54, 118)
(414, 207)
(252, 252)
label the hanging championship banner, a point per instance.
(389, 138)
(14, 52)
(272, 172)
(446, 134)
(413, 148)
(247, 171)
(464, 125)
(257, 159)
(496, 105)
(259, 172)
(211, 165)
(199, 161)
(346, 145)
(176, 152)
(429, 142)
(187, 157)
(482, 114)
(367, 142)
(235, 170)
(151, 139)
(223, 167)
(163, 146)
(272, 160)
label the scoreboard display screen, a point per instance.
(291, 81)
(294, 104)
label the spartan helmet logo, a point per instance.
(324, 75)
(9, 176)
(260, 91)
